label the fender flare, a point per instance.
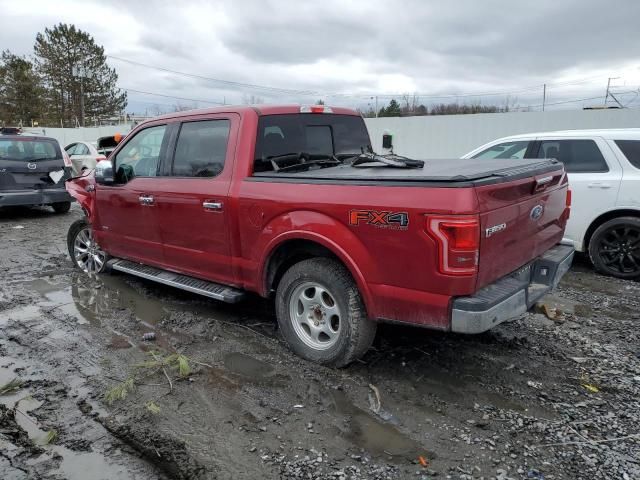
(356, 258)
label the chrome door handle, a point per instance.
(598, 185)
(212, 205)
(146, 199)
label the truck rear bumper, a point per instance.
(511, 295)
(34, 197)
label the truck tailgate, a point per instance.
(519, 220)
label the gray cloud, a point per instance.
(360, 47)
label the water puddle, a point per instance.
(87, 466)
(73, 465)
(376, 437)
(90, 299)
(19, 314)
(27, 422)
(247, 366)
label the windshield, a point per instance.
(29, 149)
(315, 135)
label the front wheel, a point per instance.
(83, 250)
(614, 248)
(61, 207)
(321, 314)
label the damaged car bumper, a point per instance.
(34, 197)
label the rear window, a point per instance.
(578, 156)
(316, 134)
(29, 150)
(631, 150)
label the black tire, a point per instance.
(61, 207)
(75, 229)
(356, 332)
(614, 248)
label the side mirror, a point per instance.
(104, 173)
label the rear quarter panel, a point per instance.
(382, 258)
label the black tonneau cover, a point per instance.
(449, 172)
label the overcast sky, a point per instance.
(348, 51)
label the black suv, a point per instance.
(33, 171)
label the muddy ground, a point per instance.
(217, 394)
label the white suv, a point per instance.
(604, 178)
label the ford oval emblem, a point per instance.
(31, 166)
(536, 212)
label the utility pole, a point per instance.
(80, 72)
(606, 97)
(544, 95)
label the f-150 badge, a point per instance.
(495, 229)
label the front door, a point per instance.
(193, 199)
(127, 223)
(594, 179)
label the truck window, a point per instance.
(578, 156)
(141, 154)
(317, 134)
(201, 149)
(631, 150)
(505, 150)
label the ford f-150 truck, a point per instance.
(291, 203)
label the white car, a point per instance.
(84, 155)
(603, 167)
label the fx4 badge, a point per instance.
(391, 220)
(495, 229)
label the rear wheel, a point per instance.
(83, 250)
(614, 247)
(61, 207)
(321, 314)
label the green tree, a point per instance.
(392, 110)
(20, 91)
(76, 75)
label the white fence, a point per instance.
(83, 134)
(450, 136)
(436, 136)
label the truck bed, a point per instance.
(442, 173)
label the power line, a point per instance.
(217, 80)
(171, 96)
(567, 101)
(271, 89)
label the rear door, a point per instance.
(594, 179)
(28, 163)
(128, 224)
(193, 199)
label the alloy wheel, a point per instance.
(619, 249)
(86, 252)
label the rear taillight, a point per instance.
(67, 160)
(568, 204)
(458, 239)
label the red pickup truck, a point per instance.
(291, 203)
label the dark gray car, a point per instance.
(33, 172)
